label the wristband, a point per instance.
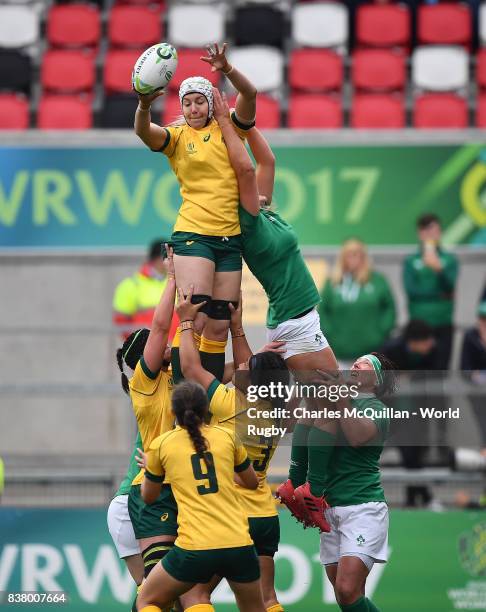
(228, 71)
(189, 324)
(143, 110)
(239, 335)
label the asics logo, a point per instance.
(189, 242)
(164, 517)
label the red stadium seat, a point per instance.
(446, 24)
(481, 111)
(160, 3)
(73, 25)
(481, 69)
(377, 111)
(379, 70)
(189, 64)
(117, 76)
(437, 111)
(307, 111)
(64, 113)
(383, 25)
(134, 26)
(172, 109)
(14, 112)
(67, 71)
(267, 112)
(315, 70)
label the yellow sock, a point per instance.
(151, 609)
(201, 608)
(275, 608)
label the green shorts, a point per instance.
(159, 518)
(238, 564)
(224, 251)
(265, 533)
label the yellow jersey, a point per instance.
(151, 402)
(209, 509)
(208, 184)
(229, 408)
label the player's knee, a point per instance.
(153, 554)
(347, 592)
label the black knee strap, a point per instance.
(153, 554)
(220, 309)
(197, 298)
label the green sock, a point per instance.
(371, 606)
(175, 362)
(361, 605)
(299, 455)
(321, 446)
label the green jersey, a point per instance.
(354, 472)
(430, 294)
(271, 251)
(133, 470)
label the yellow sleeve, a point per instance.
(241, 457)
(222, 401)
(240, 128)
(172, 136)
(146, 382)
(154, 470)
(125, 297)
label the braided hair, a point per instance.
(190, 406)
(130, 353)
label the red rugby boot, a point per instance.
(285, 493)
(314, 507)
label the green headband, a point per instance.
(131, 343)
(375, 362)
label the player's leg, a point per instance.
(267, 570)
(265, 533)
(248, 596)
(159, 590)
(121, 531)
(198, 599)
(350, 583)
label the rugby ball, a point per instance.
(154, 68)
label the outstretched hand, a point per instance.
(220, 105)
(185, 309)
(145, 100)
(217, 57)
(236, 323)
(169, 261)
(141, 459)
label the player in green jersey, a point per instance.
(271, 251)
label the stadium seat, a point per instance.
(440, 111)
(315, 70)
(195, 25)
(15, 71)
(482, 24)
(440, 68)
(64, 113)
(481, 111)
(134, 26)
(118, 111)
(320, 24)
(259, 25)
(172, 109)
(14, 112)
(308, 111)
(481, 69)
(267, 113)
(161, 4)
(383, 25)
(446, 24)
(378, 70)
(67, 71)
(118, 66)
(377, 111)
(262, 65)
(189, 64)
(73, 25)
(19, 26)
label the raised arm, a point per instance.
(241, 349)
(189, 355)
(153, 353)
(238, 155)
(246, 98)
(150, 133)
(265, 160)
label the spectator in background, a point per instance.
(136, 297)
(357, 308)
(429, 278)
(2, 477)
(415, 349)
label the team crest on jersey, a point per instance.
(472, 550)
(191, 148)
(360, 540)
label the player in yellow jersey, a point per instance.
(200, 461)
(230, 408)
(147, 354)
(206, 238)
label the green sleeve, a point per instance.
(412, 288)
(247, 221)
(388, 311)
(448, 274)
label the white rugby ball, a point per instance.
(154, 68)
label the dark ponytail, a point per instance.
(190, 406)
(389, 386)
(130, 353)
